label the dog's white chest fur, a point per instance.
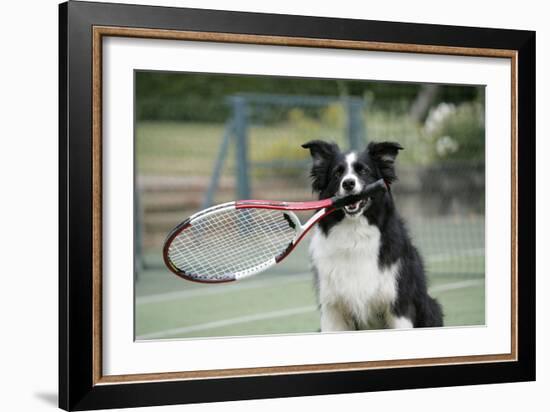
(352, 286)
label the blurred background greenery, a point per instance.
(440, 121)
(183, 123)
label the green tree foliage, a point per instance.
(457, 132)
(201, 97)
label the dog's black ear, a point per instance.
(322, 154)
(384, 154)
(321, 151)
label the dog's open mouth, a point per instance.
(357, 207)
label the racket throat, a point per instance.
(291, 222)
(302, 230)
(285, 252)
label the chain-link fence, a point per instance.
(256, 153)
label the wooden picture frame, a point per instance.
(82, 28)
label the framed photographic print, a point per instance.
(259, 205)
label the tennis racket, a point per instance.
(235, 240)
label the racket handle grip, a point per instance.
(374, 188)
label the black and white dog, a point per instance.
(368, 273)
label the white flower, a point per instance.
(438, 115)
(446, 145)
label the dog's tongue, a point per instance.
(353, 206)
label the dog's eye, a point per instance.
(361, 169)
(339, 171)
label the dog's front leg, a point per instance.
(333, 318)
(399, 322)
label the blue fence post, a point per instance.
(218, 166)
(355, 127)
(240, 123)
(138, 231)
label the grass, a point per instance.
(161, 146)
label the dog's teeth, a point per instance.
(355, 208)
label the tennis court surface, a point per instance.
(282, 299)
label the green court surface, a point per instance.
(282, 299)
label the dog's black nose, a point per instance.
(348, 184)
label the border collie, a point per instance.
(368, 274)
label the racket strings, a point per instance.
(232, 241)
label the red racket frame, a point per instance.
(330, 205)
